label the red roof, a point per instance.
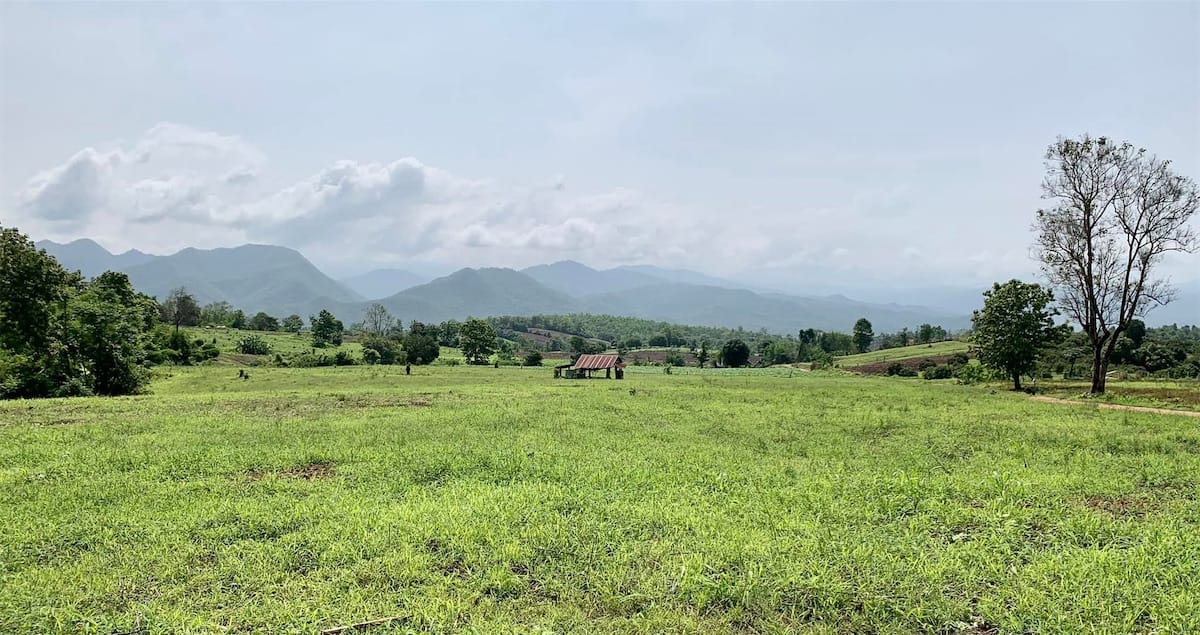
(597, 362)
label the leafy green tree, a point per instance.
(1014, 327)
(293, 323)
(1136, 332)
(385, 350)
(216, 314)
(238, 320)
(702, 355)
(264, 322)
(33, 289)
(448, 333)
(326, 329)
(735, 353)
(477, 339)
(421, 348)
(108, 324)
(533, 358)
(60, 336)
(863, 334)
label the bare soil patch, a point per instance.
(1117, 406)
(307, 471)
(1120, 506)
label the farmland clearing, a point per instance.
(467, 499)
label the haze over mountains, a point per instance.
(281, 281)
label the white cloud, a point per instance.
(178, 186)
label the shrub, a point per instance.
(384, 349)
(253, 345)
(533, 359)
(972, 374)
(310, 360)
(674, 359)
(959, 359)
(370, 356)
(926, 364)
(894, 368)
(905, 371)
(940, 372)
(343, 358)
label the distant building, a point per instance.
(583, 367)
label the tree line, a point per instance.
(1115, 211)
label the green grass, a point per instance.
(1172, 394)
(905, 352)
(480, 500)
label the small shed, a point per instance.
(583, 367)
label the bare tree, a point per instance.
(377, 320)
(1116, 212)
(180, 309)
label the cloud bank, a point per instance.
(179, 186)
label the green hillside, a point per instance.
(904, 352)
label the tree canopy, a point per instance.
(1014, 327)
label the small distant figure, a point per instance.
(408, 369)
(241, 373)
(496, 364)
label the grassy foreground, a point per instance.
(484, 500)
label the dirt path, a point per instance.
(1113, 406)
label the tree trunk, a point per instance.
(1016, 381)
(1099, 367)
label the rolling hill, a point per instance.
(251, 277)
(90, 259)
(381, 283)
(479, 293)
(281, 281)
(577, 279)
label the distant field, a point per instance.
(281, 342)
(501, 500)
(904, 352)
(287, 344)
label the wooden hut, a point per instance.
(582, 368)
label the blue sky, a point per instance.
(872, 143)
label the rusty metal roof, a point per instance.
(597, 362)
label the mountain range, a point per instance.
(281, 281)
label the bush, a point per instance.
(207, 352)
(894, 368)
(674, 359)
(253, 345)
(926, 364)
(310, 360)
(384, 349)
(370, 356)
(533, 359)
(343, 358)
(959, 359)
(905, 371)
(972, 374)
(939, 372)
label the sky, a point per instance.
(798, 144)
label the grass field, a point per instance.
(467, 499)
(904, 352)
